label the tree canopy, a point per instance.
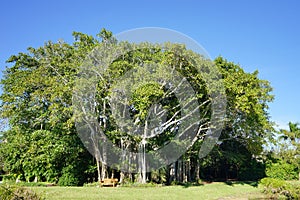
(42, 141)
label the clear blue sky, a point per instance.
(257, 34)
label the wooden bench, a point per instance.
(109, 182)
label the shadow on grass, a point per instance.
(191, 184)
(251, 183)
(230, 183)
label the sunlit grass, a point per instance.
(206, 191)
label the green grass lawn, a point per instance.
(206, 191)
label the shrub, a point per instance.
(252, 171)
(13, 192)
(9, 178)
(175, 183)
(68, 179)
(295, 189)
(280, 189)
(281, 170)
(158, 176)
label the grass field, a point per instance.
(206, 191)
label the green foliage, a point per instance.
(13, 192)
(247, 127)
(232, 160)
(42, 141)
(69, 177)
(36, 100)
(9, 177)
(284, 162)
(247, 106)
(159, 176)
(252, 170)
(280, 189)
(282, 171)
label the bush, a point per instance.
(13, 192)
(252, 171)
(282, 171)
(68, 179)
(279, 189)
(9, 178)
(295, 189)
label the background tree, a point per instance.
(283, 157)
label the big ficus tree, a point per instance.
(42, 141)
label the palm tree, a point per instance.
(293, 134)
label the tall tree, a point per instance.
(42, 140)
(248, 124)
(149, 81)
(36, 100)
